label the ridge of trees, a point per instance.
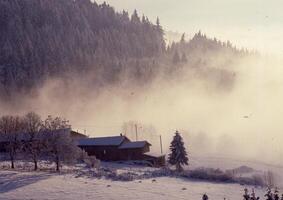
(41, 39)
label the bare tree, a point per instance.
(35, 143)
(11, 135)
(61, 147)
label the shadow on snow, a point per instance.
(10, 181)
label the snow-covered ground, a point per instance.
(46, 186)
(73, 185)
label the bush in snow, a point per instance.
(209, 174)
(91, 161)
(83, 155)
(253, 180)
(127, 176)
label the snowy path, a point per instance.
(43, 186)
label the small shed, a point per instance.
(157, 160)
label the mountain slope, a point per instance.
(42, 39)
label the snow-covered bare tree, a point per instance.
(178, 155)
(11, 135)
(61, 147)
(35, 143)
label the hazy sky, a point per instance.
(254, 24)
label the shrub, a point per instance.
(256, 180)
(210, 174)
(92, 162)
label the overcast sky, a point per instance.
(256, 24)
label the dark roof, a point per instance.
(102, 141)
(134, 145)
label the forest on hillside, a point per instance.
(42, 39)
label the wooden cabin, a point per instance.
(114, 148)
(104, 148)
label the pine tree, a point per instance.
(246, 194)
(158, 22)
(184, 58)
(135, 17)
(269, 194)
(276, 194)
(159, 27)
(183, 38)
(176, 58)
(143, 19)
(178, 155)
(204, 197)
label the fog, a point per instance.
(242, 122)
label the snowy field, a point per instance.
(16, 185)
(46, 186)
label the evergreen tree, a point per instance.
(184, 58)
(176, 58)
(158, 22)
(276, 194)
(269, 194)
(246, 195)
(144, 19)
(183, 38)
(178, 155)
(253, 196)
(204, 197)
(135, 17)
(159, 27)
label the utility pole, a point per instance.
(161, 144)
(136, 127)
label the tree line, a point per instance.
(34, 139)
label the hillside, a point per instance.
(47, 38)
(42, 39)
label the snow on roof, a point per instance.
(102, 141)
(133, 145)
